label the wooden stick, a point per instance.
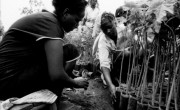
(169, 77)
(140, 80)
(176, 68)
(154, 76)
(131, 73)
(145, 78)
(121, 69)
(175, 97)
(162, 81)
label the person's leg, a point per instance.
(23, 84)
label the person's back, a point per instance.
(31, 51)
(24, 53)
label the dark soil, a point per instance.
(96, 97)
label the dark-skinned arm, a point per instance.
(57, 74)
(107, 77)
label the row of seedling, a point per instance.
(153, 76)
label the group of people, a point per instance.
(33, 55)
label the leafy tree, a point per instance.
(34, 6)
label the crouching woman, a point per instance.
(31, 51)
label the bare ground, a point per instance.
(96, 97)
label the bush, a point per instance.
(81, 37)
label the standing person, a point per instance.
(31, 51)
(104, 46)
(85, 31)
(91, 12)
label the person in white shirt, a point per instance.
(97, 31)
(104, 46)
(91, 12)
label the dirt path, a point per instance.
(96, 97)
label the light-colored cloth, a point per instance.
(120, 29)
(42, 96)
(103, 48)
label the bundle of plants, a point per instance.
(144, 92)
(171, 102)
(132, 79)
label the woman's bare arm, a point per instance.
(57, 74)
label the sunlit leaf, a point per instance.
(155, 4)
(34, 6)
(162, 11)
(161, 8)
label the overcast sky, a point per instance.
(10, 9)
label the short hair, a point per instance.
(120, 12)
(106, 21)
(90, 1)
(70, 53)
(75, 6)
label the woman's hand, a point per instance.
(81, 83)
